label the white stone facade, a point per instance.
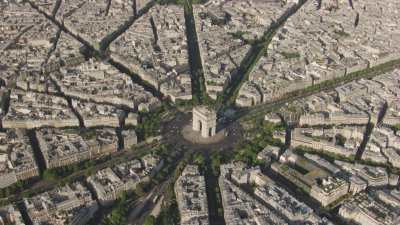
(204, 121)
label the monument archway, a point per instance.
(204, 121)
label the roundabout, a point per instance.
(180, 133)
(195, 136)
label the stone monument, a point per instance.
(204, 121)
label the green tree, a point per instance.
(119, 214)
(150, 220)
(169, 215)
(340, 139)
(50, 175)
(198, 159)
(140, 189)
(396, 127)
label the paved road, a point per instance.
(145, 204)
(249, 113)
(173, 129)
(119, 157)
(16, 38)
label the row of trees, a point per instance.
(323, 86)
(396, 128)
(121, 209)
(169, 214)
(119, 214)
(260, 135)
(150, 123)
(257, 50)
